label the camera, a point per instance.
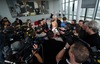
(25, 52)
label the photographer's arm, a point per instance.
(39, 58)
(60, 55)
(36, 54)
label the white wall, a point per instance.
(57, 6)
(51, 6)
(4, 11)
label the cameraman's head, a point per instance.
(78, 53)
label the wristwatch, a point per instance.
(65, 48)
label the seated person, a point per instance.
(28, 23)
(73, 24)
(64, 23)
(78, 53)
(18, 21)
(39, 29)
(45, 25)
(5, 22)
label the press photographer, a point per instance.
(18, 52)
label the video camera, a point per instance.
(25, 52)
(68, 35)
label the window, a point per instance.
(63, 1)
(97, 21)
(81, 18)
(90, 12)
(71, 6)
(66, 16)
(70, 17)
(63, 6)
(74, 17)
(89, 19)
(67, 0)
(71, 0)
(98, 11)
(66, 8)
(75, 7)
(83, 12)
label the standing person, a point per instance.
(82, 33)
(93, 38)
(50, 48)
(78, 54)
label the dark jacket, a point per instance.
(51, 48)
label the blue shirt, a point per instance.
(63, 24)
